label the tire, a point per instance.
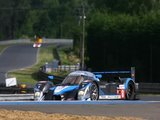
(49, 96)
(94, 92)
(130, 92)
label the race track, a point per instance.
(144, 109)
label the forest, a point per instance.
(119, 34)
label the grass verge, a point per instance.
(2, 47)
(67, 57)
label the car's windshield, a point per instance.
(73, 80)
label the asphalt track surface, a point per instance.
(19, 56)
(148, 110)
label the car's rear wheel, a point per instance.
(130, 92)
(94, 92)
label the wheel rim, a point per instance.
(94, 92)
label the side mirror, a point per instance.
(51, 77)
(99, 76)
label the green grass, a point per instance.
(68, 57)
(2, 47)
(28, 75)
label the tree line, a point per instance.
(122, 34)
(48, 18)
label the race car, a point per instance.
(85, 85)
(38, 42)
(37, 45)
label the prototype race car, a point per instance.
(84, 85)
(78, 85)
(38, 42)
(37, 45)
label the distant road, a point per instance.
(21, 54)
(16, 57)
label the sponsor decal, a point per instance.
(60, 88)
(109, 97)
(121, 86)
(122, 94)
(102, 86)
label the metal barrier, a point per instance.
(66, 68)
(149, 88)
(16, 97)
(50, 68)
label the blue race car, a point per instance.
(84, 85)
(78, 85)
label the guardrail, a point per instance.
(149, 88)
(45, 40)
(62, 68)
(16, 97)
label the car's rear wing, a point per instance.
(131, 72)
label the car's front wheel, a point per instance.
(94, 92)
(49, 95)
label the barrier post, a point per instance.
(133, 73)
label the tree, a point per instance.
(122, 40)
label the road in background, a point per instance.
(16, 57)
(21, 54)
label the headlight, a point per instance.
(84, 93)
(37, 94)
(80, 93)
(62, 96)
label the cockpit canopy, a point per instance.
(73, 80)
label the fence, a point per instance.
(50, 68)
(67, 68)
